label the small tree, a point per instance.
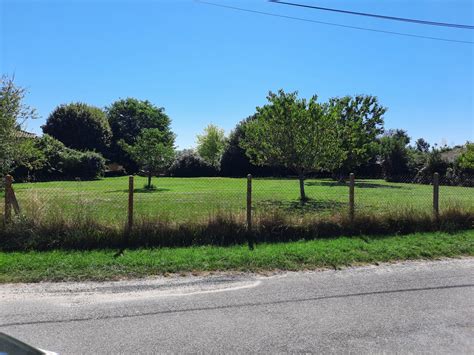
(211, 144)
(13, 114)
(153, 151)
(295, 134)
(79, 126)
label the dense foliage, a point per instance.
(211, 144)
(153, 151)
(189, 164)
(49, 158)
(235, 162)
(127, 118)
(466, 159)
(79, 126)
(295, 134)
(359, 120)
(287, 136)
(13, 114)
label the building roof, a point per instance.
(25, 134)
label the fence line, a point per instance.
(261, 195)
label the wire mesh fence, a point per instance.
(184, 200)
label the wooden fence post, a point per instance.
(436, 194)
(130, 203)
(351, 195)
(249, 210)
(8, 205)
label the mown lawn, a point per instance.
(332, 253)
(182, 199)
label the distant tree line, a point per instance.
(288, 136)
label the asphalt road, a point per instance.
(411, 307)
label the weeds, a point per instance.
(51, 230)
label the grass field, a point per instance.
(185, 199)
(102, 265)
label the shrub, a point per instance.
(58, 161)
(85, 165)
(189, 164)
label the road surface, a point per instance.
(406, 307)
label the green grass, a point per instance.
(194, 199)
(333, 253)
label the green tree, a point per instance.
(359, 121)
(234, 161)
(294, 133)
(153, 151)
(13, 114)
(422, 146)
(79, 126)
(31, 159)
(466, 160)
(211, 144)
(127, 118)
(394, 154)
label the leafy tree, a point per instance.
(13, 114)
(32, 159)
(234, 161)
(295, 134)
(394, 154)
(79, 126)
(466, 160)
(422, 145)
(359, 121)
(127, 118)
(211, 144)
(435, 163)
(153, 151)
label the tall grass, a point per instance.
(49, 229)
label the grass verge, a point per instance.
(343, 251)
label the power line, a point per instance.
(333, 24)
(393, 18)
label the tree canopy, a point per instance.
(394, 154)
(79, 126)
(127, 118)
(211, 144)
(294, 133)
(359, 121)
(153, 151)
(13, 114)
(466, 160)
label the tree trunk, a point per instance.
(149, 180)
(302, 194)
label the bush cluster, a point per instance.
(190, 164)
(53, 160)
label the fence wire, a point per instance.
(185, 200)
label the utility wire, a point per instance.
(333, 24)
(393, 18)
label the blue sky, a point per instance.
(208, 64)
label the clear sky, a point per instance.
(208, 64)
